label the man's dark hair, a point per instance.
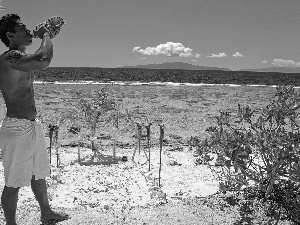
(8, 24)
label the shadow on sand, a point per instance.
(101, 159)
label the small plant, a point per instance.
(53, 136)
(96, 109)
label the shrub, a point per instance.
(94, 109)
(258, 149)
(282, 203)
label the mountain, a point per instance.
(177, 66)
(187, 66)
(276, 70)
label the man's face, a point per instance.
(22, 35)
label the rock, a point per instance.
(196, 153)
(198, 161)
(178, 148)
(174, 163)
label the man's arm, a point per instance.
(38, 61)
(46, 49)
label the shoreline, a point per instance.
(137, 83)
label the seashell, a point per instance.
(53, 24)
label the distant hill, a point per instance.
(276, 70)
(176, 66)
(188, 66)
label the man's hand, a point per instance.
(40, 31)
(53, 25)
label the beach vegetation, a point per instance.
(259, 153)
(98, 107)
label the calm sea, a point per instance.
(154, 84)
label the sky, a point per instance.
(234, 34)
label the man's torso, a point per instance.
(17, 90)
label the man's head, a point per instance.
(13, 30)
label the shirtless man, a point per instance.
(16, 84)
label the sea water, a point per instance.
(137, 83)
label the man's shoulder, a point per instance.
(11, 51)
(4, 54)
(2, 57)
(11, 56)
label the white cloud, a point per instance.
(237, 54)
(285, 63)
(220, 55)
(170, 49)
(136, 49)
(142, 58)
(197, 55)
(264, 61)
(194, 60)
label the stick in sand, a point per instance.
(139, 130)
(161, 138)
(50, 137)
(79, 160)
(138, 146)
(56, 146)
(148, 142)
(78, 143)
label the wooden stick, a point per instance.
(50, 137)
(114, 148)
(148, 143)
(79, 160)
(139, 136)
(161, 138)
(137, 144)
(56, 146)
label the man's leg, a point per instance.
(39, 188)
(9, 201)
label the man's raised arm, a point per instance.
(46, 49)
(31, 62)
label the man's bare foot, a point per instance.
(54, 217)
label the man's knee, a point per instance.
(33, 178)
(10, 190)
(38, 182)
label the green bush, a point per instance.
(260, 150)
